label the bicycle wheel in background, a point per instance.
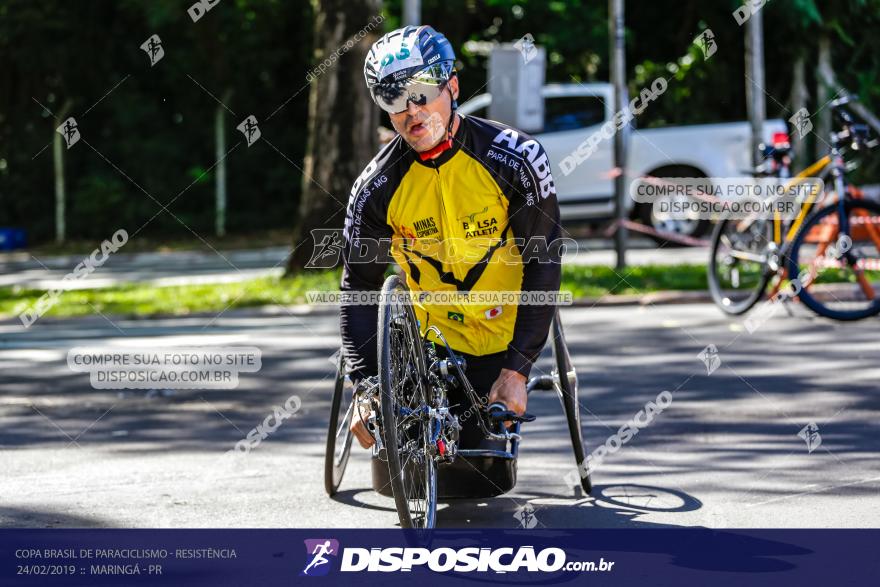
(339, 435)
(839, 271)
(739, 263)
(406, 421)
(566, 385)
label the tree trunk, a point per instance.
(823, 94)
(616, 33)
(755, 84)
(412, 12)
(58, 164)
(220, 178)
(826, 75)
(799, 97)
(342, 120)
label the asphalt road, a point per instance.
(725, 453)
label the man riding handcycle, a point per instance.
(435, 372)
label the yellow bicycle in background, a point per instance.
(832, 246)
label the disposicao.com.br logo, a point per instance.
(318, 549)
(441, 560)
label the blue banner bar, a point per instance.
(694, 556)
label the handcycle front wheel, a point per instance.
(405, 406)
(839, 271)
(566, 385)
(339, 435)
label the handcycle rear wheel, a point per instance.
(339, 435)
(566, 385)
(405, 405)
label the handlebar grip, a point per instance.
(498, 412)
(496, 408)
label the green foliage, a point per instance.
(149, 300)
(658, 37)
(600, 280)
(157, 126)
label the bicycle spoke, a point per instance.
(725, 240)
(746, 256)
(404, 410)
(344, 424)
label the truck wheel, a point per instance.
(693, 228)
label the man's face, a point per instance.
(423, 127)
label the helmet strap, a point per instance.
(454, 105)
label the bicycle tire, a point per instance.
(398, 324)
(807, 296)
(567, 390)
(717, 290)
(335, 463)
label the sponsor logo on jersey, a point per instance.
(484, 227)
(531, 151)
(425, 227)
(472, 216)
(474, 226)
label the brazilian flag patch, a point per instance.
(457, 316)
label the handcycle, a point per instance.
(417, 459)
(832, 245)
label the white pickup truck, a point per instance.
(573, 112)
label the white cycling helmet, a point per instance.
(411, 64)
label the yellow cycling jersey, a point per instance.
(461, 225)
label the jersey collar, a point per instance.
(442, 146)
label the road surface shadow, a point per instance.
(620, 506)
(608, 506)
(350, 497)
(17, 517)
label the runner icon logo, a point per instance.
(526, 516)
(250, 130)
(317, 552)
(153, 48)
(710, 357)
(327, 248)
(70, 131)
(810, 435)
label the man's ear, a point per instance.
(453, 85)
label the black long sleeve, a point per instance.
(536, 216)
(365, 227)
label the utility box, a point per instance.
(516, 77)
